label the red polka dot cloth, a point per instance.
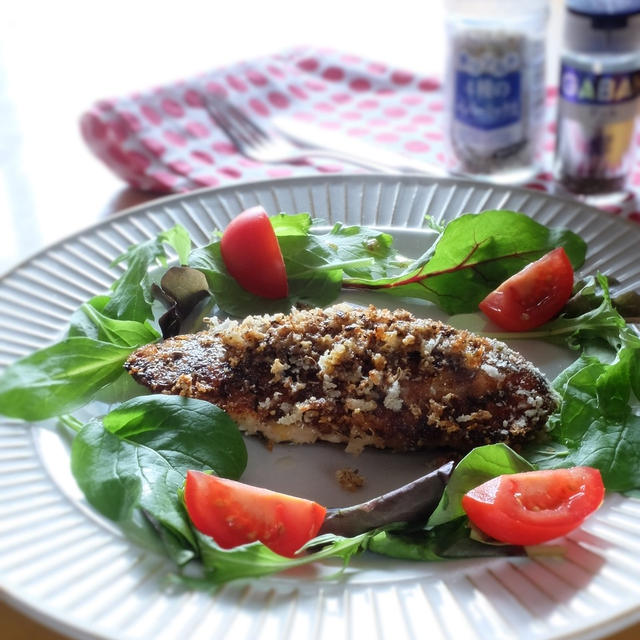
(165, 140)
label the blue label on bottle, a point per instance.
(586, 87)
(487, 101)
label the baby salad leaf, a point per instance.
(181, 289)
(255, 559)
(228, 294)
(178, 238)
(119, 476)
(357, 251)
(361, 249)
(315, 259)
(317, 263)
(59, 378)
(474, 254)
(130, 300)
(184, 287)
(599, 322)
(449, 540)
(297, 224)
(596, 425)
(138, 457)
(588, 294)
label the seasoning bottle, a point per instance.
(494, 87)
(599, 93)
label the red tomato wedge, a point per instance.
(535, 506)
(532, 296)
(251, 253)
(233, 514)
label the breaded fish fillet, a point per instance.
(364, 377)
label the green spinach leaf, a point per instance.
(118, 476)
(137, 458)
(206, 433)
(80, 324)
(127, 333)
(356, 251)
(59, 378)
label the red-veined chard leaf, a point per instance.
(473, 255)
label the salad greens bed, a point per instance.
(131, 462)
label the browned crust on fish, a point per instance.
(356, 376)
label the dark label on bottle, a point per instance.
(586, 87)
(487, 101)
(596, 127)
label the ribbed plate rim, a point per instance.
(65, 625)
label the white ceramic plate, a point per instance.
(72, 570)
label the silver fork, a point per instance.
(288, 141)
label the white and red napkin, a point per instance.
(165, 140)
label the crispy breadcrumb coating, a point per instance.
(363, 377)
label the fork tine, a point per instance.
(240, 128)
(242, 117)
(235, 134)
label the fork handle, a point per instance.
(385, 166)
(328, 144)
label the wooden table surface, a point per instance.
(56, 59)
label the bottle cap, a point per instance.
(603, 26)
(530, 15)
(604, 7)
